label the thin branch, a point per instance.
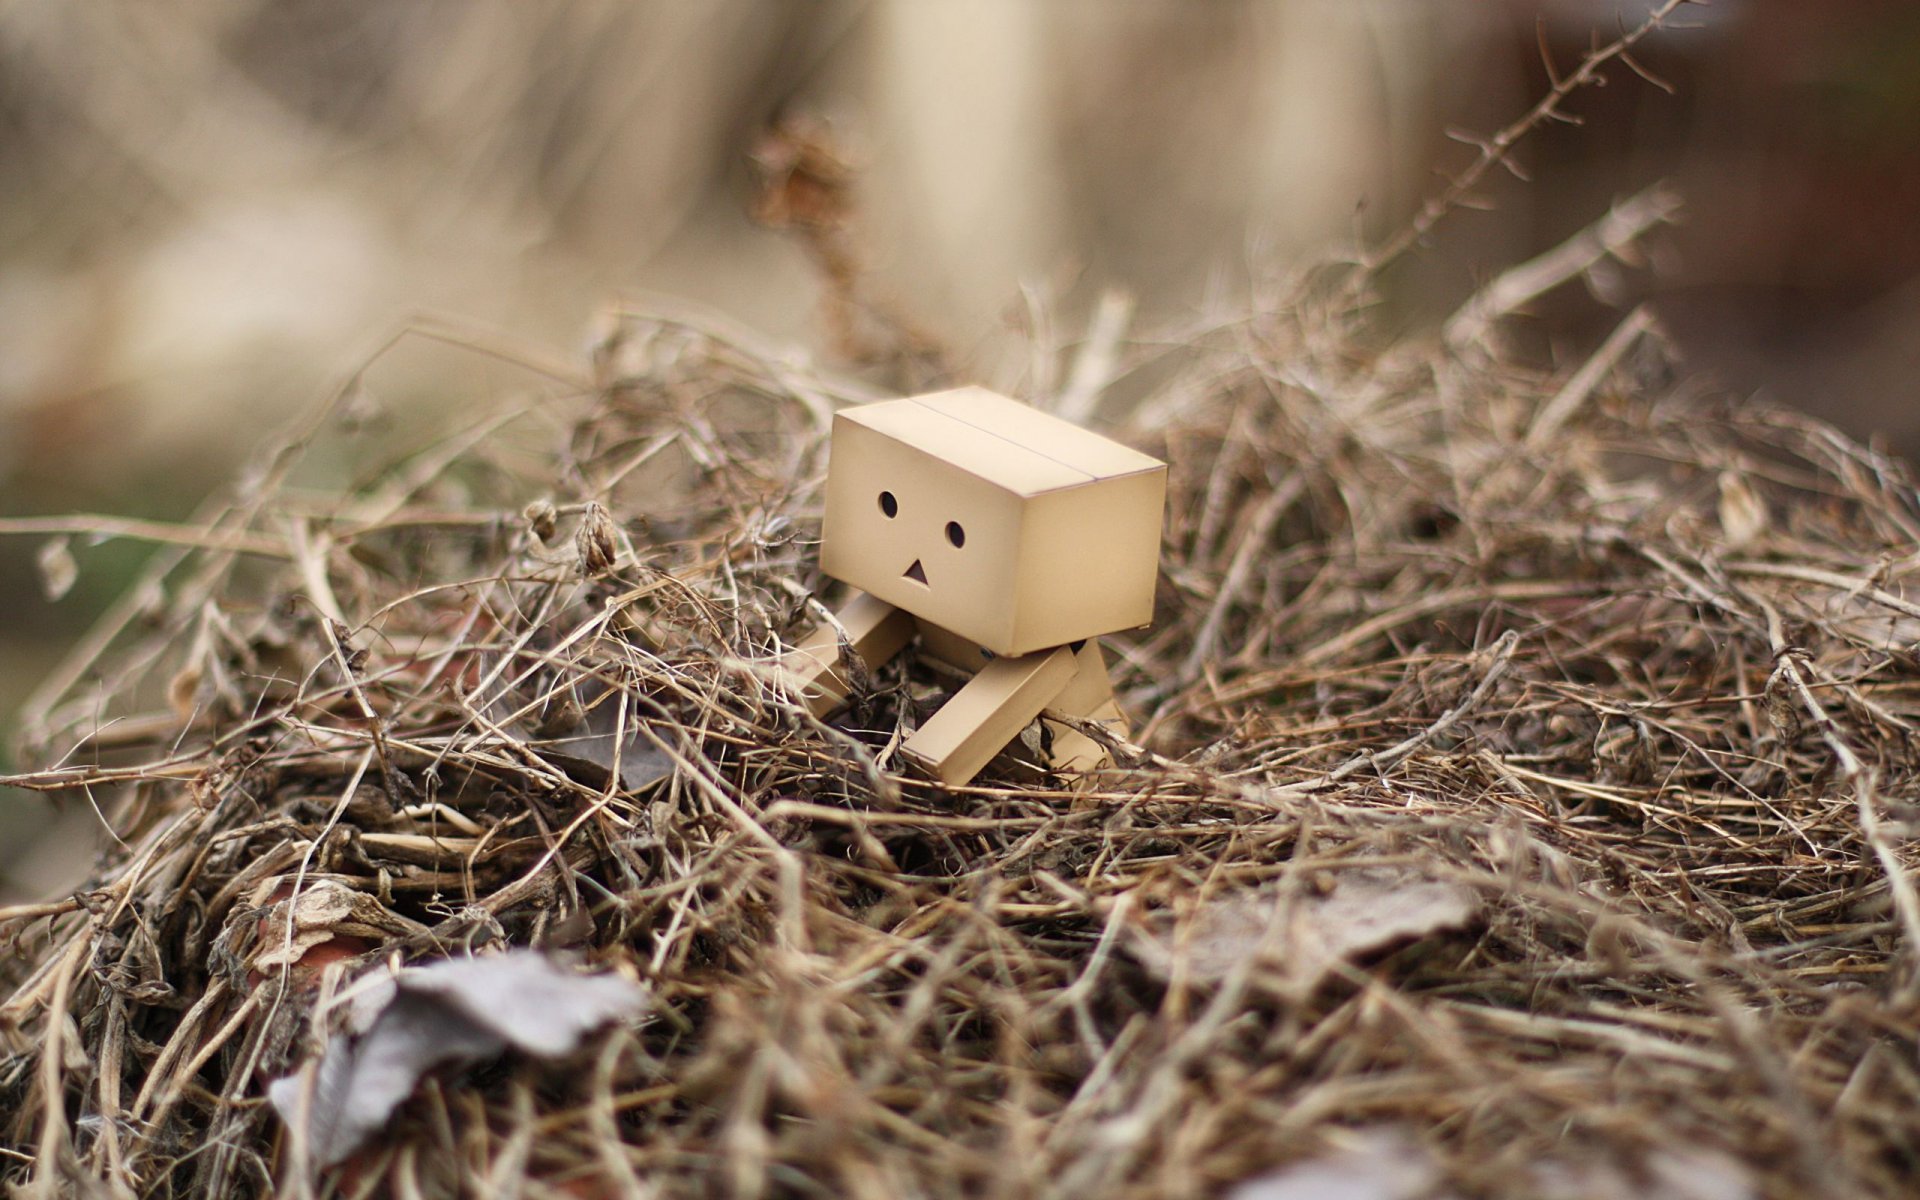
(1494, 150)
(101, 528)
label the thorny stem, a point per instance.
(1494, 151)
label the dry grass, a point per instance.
(1644, 681)
(1522, 798)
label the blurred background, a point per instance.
(212, 210)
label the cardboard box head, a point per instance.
(992, 519)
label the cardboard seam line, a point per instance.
(1089, 477)
(1001, 437)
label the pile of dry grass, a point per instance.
(1522, 805)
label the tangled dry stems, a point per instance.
(1643, 682)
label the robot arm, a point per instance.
(979, 720)
(875, 630)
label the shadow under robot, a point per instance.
(1007, 540)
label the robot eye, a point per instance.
(889, 505)
(956, 535)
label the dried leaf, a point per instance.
(582, 736)
(542, 518)
(183, 690)
(805, 177)
(1365, 912)
(456, 1012)
(1673, 1174)
(292, 924)
(640, 762)
(358, 1085)
(1382, 1164)
(58, 570)
(1743, 514)
(526, 999)
(597, 541)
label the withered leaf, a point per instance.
(525, 999)
(1691, 1173)
(1308, 936)
(292, 924)
(589, 735)
(1381, 1164)
(1743, 514)
(596, 541)
(58, 571)
(450, 1013)
(589, 757)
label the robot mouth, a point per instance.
(916, 572)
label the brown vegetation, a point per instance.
(1521, 799)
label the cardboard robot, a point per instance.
(1006, 540)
